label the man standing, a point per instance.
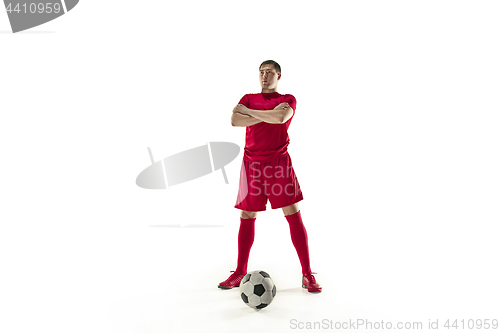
(267, 171)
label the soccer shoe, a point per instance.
(232, 281)
(309, 282)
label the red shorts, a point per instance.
(274, 179)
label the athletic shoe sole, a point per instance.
(312, 291)
(224, 287)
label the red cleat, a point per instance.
(309, 282)
(233, 281)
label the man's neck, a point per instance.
(268, 91)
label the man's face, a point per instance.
(268, 77)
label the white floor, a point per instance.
(150, 277)
(375, 281)
(394, 142)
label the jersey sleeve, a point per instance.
(244, 100)
(290, 99)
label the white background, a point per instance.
(395, 143)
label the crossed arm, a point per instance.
(243, 116)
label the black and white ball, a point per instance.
(257, 289)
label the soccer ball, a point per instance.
(257, 289)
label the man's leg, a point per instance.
(299, 240)
(251, 199)
(245, 240)
(299, 236)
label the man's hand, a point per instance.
(238, 119)
(282, 106)
(240, 108)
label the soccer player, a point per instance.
(267, 172)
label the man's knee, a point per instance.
(291, 209)
(248, 215)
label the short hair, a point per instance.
(272, 62)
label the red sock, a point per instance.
(245, 241)
(299, 240)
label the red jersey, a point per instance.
(264, 141)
